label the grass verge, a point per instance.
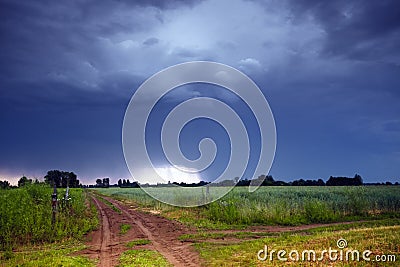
(108, 203)
(58, 254)
(143, 257)
(138, 242)
(124, 228)
(382, 238)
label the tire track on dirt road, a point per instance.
(105, 249)
(107, 243)
(163, 234)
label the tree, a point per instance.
(340, 181)
(24, 181)
(358, 180)
(106, 182)
(4, 184)
(119, 183)
(99, 183)
(53, 178)
(61, 178)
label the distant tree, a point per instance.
(106, 182)
(123, 183)
(243, 182)
(300, 182)
(341, 181)
(222, 183)
(358, 180)
(99, 183)
(24, 181)
(53, 177)
(264, 180)
(61, 178)
(4, 184)
(119, 183)
(280, 183)
(135, 185)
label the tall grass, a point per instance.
(300, 205)
(283, 205)
(26, 215)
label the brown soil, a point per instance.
(107, 244)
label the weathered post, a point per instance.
(54, 204)
(66, 198)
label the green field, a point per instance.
(274, 205)
(381, 237)
(26, 230)
(375, 211)
(28, 238)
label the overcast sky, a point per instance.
(330, 71)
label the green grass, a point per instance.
(380, 239)
(47, 255)
(26, 214)
(275, 205)
(124, 228)
(143, 257)
(108, 203)
(204, 235)
(138, 242)
(220, 235)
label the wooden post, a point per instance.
(54, 204)
(66, 197)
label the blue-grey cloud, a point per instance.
(329, 69)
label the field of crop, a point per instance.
(232, 230)
(229, 231)
(277, 205)
(26, 220)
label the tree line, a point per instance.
(265, 180)
(62, 179)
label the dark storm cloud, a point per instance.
(68, 42)
(364, 30)
(330, 70)
(65, 81)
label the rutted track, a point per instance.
(107, 244)
(163, 234)
(105, 234)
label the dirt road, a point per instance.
(107, 243)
